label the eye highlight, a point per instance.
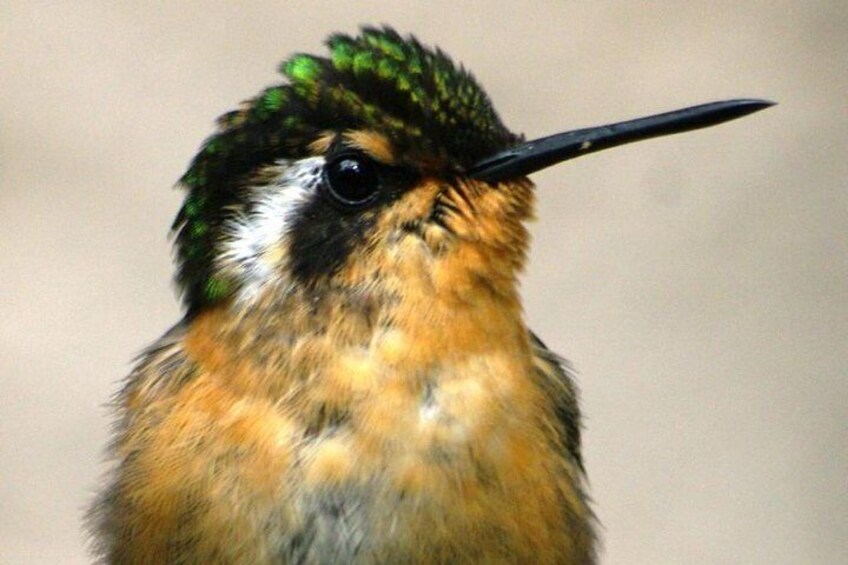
(352, 179)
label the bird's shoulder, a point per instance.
(556, 378)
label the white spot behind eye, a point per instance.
(248, 237)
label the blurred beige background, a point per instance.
(699, 283)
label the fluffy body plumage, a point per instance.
(350, 385)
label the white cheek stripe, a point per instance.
(248, 237)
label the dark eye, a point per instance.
(352, 180)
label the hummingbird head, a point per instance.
(359, 156)
(382, 161)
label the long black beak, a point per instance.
(535, 155)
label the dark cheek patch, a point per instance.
(324, 235)
(323, 238)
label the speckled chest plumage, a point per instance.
(398, 435)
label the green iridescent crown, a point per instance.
(416, 96)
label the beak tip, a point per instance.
(757, 104)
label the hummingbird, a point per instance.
(353, 380)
